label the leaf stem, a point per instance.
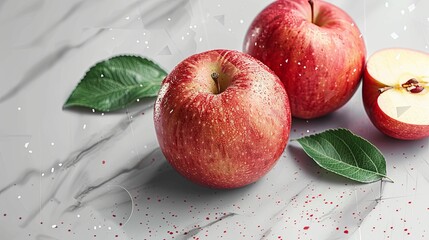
(388, 179)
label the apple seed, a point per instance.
(413, 86)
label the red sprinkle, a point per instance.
(306, 227)
(346, 231)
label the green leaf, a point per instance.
(346, 154)
(114, 83)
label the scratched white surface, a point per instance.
(78, 174)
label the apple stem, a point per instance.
(215, 77)
(312, 10)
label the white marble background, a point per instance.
(78, 174)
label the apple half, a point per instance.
(396, 92)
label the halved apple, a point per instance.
(396, 92)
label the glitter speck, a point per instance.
(411, 7)
(19, 108)
(386, 4)
(52, 143)
(84, 126)
(54, 226)
(78, 216)
(394, 35)
(241, 21)
(52, 170)
(26, 144)
(19, 197)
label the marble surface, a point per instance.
(79, 174)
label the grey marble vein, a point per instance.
(77, 157)
(56, 24)
(33, 7)
(276, 217)
(44, 65)
(143, 163)
(45, 237)
(194, 231)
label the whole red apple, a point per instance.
(315, 48)
(395, 92)
(222, 118)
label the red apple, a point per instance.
(396, 92)
(222, 118)
(315, 48)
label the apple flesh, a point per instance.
(315, 48)
(395, 93)
(222, 118)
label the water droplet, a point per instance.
(201, 39)
(101, 75)
(241, 21)
(43, 174)
(127, 18)
(138, 41)
(109, 228)
(138, 100)
(287, 60)
(169, 19)
(299, 63)
(405, 27)
(93, 110)
(52, 143)
(19, 108)
(398, 56)
(394, 35)
(95, 227)
(78, 216)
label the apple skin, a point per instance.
(387, 125)
(225, 140)
(320, 64)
